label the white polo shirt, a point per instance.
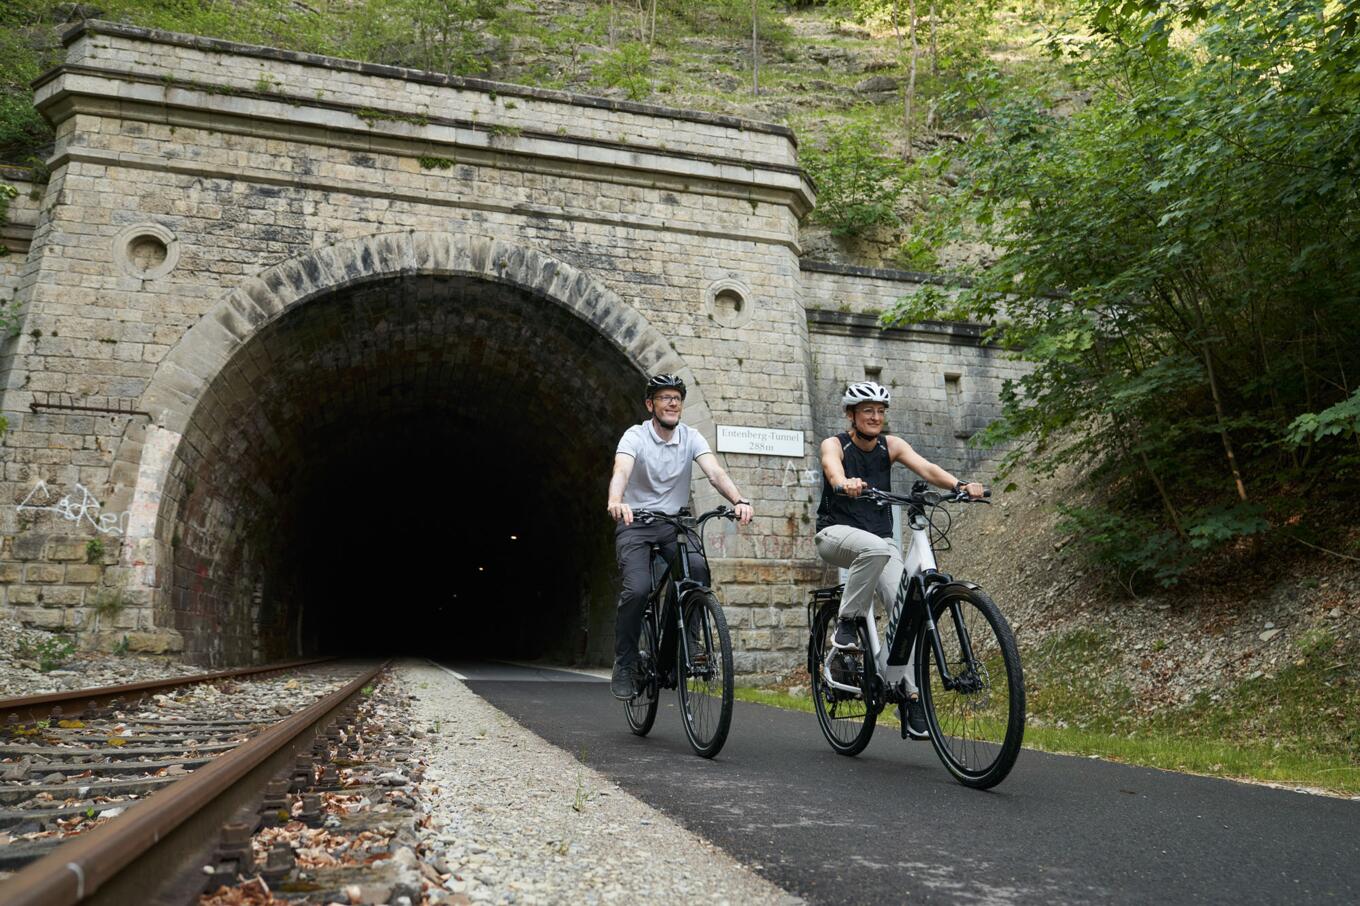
(661, 468)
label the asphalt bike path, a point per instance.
(891, 826)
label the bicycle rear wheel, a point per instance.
(641, 708)
(977, 720)
(847, 718)
(706, 681)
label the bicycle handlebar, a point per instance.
(683, 519)
(921, 498)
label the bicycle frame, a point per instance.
(668, 593)
(921, 582)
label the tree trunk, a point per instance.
(911, 83)
(1222, 429)
(934, 42)
(651, 39)
(611, 24)
(909, 89)
(1166, 498)
(755, 48)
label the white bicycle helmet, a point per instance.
(866, 392)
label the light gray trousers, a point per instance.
(875, 565)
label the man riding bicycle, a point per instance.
(859, 536)
(651, 472)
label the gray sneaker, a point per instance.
(622, 684)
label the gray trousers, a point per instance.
(875, 565)
(631, 546)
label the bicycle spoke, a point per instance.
(846, 720)
(978, 717)
(706, 681)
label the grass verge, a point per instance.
(1297, 728)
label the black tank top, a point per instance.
(875, 467)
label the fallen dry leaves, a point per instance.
(317, 847)
(254, 892)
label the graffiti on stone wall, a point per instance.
(796, 477)
(78, 506)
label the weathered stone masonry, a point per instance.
(260, 273)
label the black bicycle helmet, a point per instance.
(661, 382)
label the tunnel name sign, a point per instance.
(767, 441)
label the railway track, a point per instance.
(212, 781)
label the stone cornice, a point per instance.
(851, 324)
(115, 93)
(215, 45)
(880, 273)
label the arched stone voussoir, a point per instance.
(179, 382)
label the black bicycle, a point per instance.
(967, 665)
(684, 642)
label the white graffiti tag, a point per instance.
(81, 506)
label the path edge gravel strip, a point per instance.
(520, 820)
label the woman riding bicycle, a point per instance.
(652, 471)
(858, 536)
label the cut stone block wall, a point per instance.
(203, 194)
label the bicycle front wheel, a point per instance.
(641, 708)
(846, 717)
(977, 715)
(706, 677)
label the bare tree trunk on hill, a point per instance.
(934, 43)
(909, 91)
(755, 48)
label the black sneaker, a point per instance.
(621, 684)
(915, 723)
(847, 635)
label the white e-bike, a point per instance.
(944, 632)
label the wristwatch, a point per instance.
(740, 502)
(959, 485)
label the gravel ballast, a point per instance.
(517, 820)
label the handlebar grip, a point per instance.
(986, 492)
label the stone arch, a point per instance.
(145, 459)
(190, 366)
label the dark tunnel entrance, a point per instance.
(410, 466)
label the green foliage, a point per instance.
(729, 18)
(627, 67)
(94, 550)
(1179, 261)
(50, 653)
(109, 603)
(1340, 419)
(7, 194)
(456, 37)
(859, 181)
(1225, 522)
(121, 649)
(1134, 555)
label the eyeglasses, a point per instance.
(873, 410)
(668, 398)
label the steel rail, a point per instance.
(38, 707)
(135, 856)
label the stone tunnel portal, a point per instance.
(416, 464)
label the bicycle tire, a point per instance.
(976, 727)
(846, 727)
(640, 710)
(705, 689)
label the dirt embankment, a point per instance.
(1204, 635)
